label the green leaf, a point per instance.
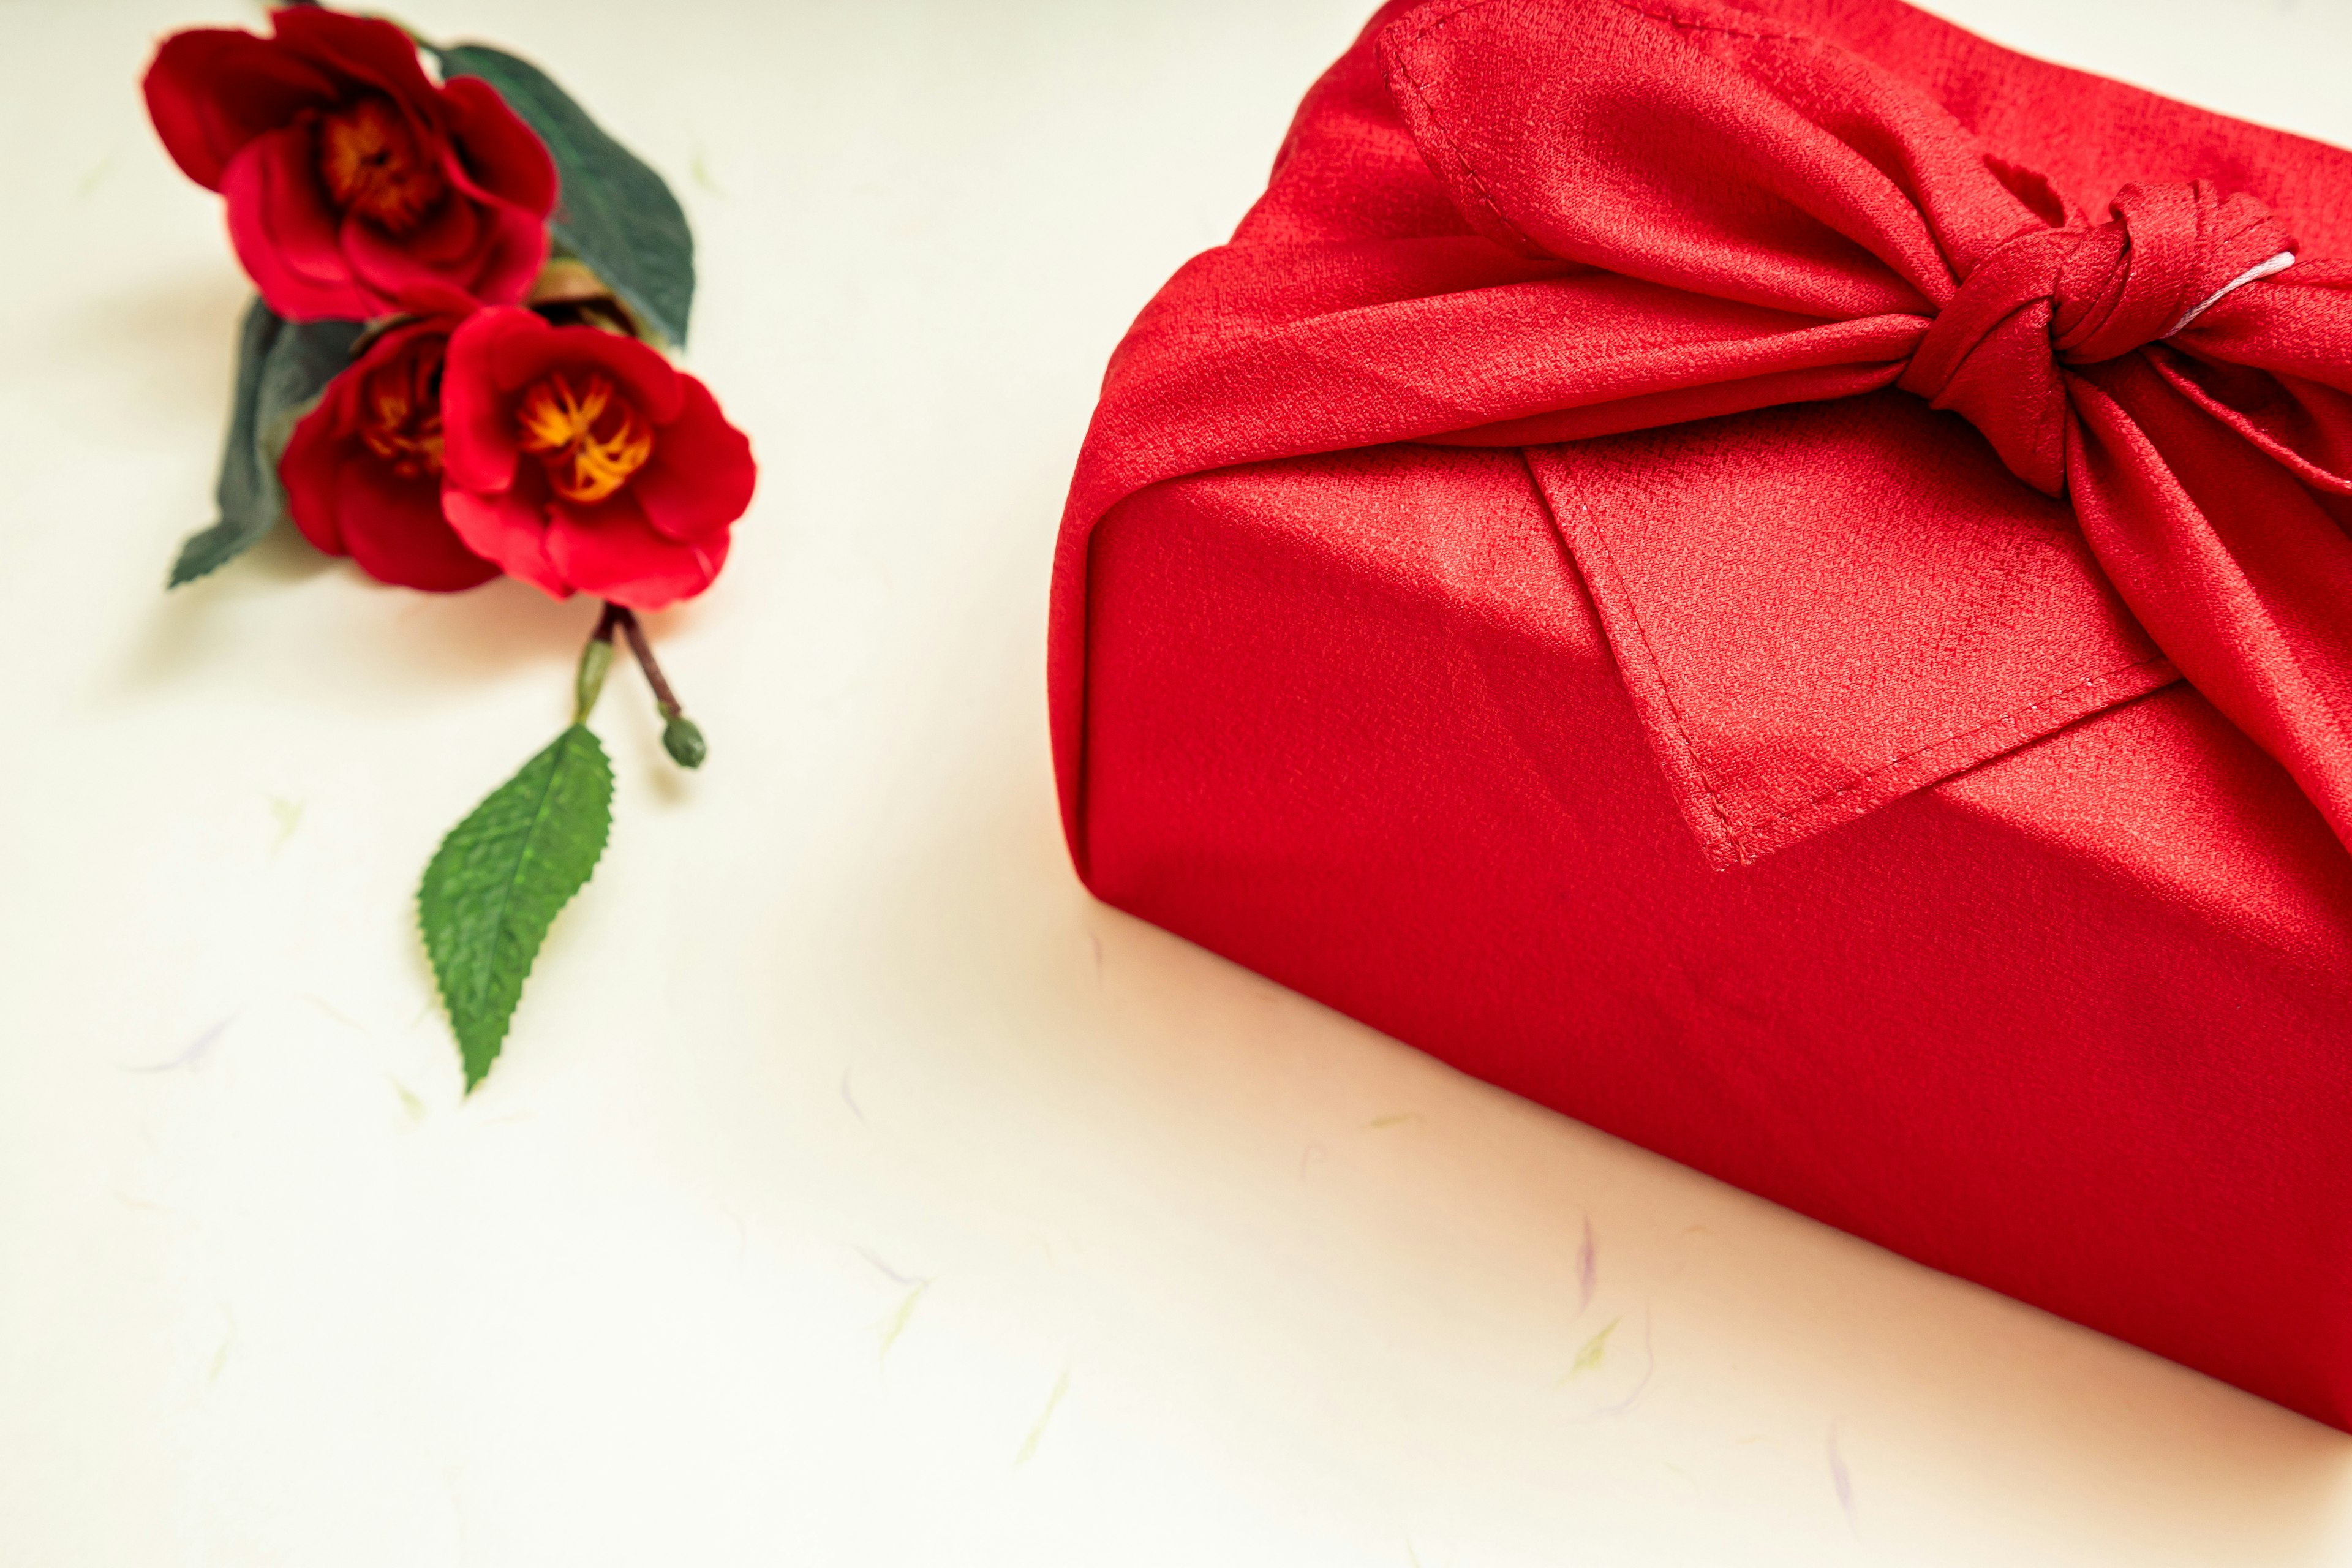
(612, 213)
(282, 366)
(501, 878)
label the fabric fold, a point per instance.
(1661, 211)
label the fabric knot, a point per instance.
(2077, 295)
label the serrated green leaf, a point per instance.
(282, 367)
(613, 212)
(501, 878)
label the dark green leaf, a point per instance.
(614, 212)
(242, 518)
(499, 880)
(281, 368)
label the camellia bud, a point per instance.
(595, 659)
(568, 293)
(682, 739)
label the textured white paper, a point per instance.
(853, 1190)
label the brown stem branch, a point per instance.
(681, 737)
(630, 628)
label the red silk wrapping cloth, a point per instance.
(1633, 436)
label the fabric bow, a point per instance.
(1681, 209)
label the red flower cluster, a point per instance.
(471, 437)
(351, 177)
(577, 460)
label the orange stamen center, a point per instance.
(585, 433)
(369, 158)
(399, 412)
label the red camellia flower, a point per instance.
(351, 179)
(362, 470)
(582, 461)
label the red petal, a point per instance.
(511, 530)
(498, 155)
(390, 270)
(396, 531)
(515, 351)
(446, 241)
(514, 250)
(702, 475)
(650, 380)
(381, 350)
(310, 469)
(285, 233)
(478, 445)
(438, 301)
(363, 50)
(211, 90)
(611, 552)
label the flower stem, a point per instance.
(681, 736)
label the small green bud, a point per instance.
(682, 739)
(595, 659)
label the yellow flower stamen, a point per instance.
(589, 439)
(370, 163)
(399, 412)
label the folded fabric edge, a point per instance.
(1732, 838)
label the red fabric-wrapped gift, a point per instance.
(1776, 578)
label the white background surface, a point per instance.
(853, 1191)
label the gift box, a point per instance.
(1775, 579)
